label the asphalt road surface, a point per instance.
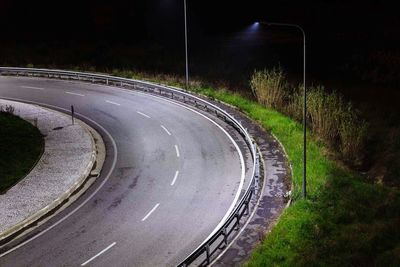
(171, 175)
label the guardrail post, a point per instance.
(72, 114)
(208, 253)
(237, 222)
(107, 81)
(224, 232)
(257, 171)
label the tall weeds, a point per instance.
(353, 135)
(270, 88)
(324, 111)
(331, 119)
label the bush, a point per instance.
(270, 88)
(324, 112)
(329, 116)
(9, 109)
(295, 103)
(353, 133)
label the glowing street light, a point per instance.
(256, 24)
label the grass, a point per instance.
(345, 221)
(21, 144)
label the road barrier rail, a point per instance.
(204, 254)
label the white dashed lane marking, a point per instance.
(98, 254)
(31, 87)
(150, 212)
(114, 103)
(176, 176)
(166, 130)
(144, 115)
(71, 93)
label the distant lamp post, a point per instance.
(305, 98)
(186, 48)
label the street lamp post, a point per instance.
(304, 101)
(186, 48)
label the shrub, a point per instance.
(295, 104)
(9, 109)
(270, 88)
(324, 111)
(331, 119)
(353, 134)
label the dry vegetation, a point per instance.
(332, 120)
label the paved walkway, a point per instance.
(67, 160)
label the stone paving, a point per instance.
(67, 160)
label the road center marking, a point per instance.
(31, 87)
(242, 165)
(176, 176)
(150, 212)
(177, 151)
(166, 130)
(71, 93)
(144, 115)
(98, 254)
(114, 103)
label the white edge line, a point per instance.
(72, 93)
(150, 212)
(177, 151)
(165, 129)
(86, 200)
(114, 103)
(176, 176)
(240, 156)
(244, 226)
(144, 115)
(98, 254)
(31, 87)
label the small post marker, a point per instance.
(72, 114)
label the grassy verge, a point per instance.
(21, 145)
(344, 222)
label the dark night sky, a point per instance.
(162, 19)
(334, 27)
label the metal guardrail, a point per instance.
(203, 254)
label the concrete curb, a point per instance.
(78, 183)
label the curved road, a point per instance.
(170, 176)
